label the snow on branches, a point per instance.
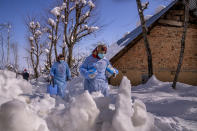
(63, 6)
(93, 28)
(51, 22)
(38, 33)
(31, 38)
(91, 4)
(46, 50)
(34, 25)
(56, 11)
(50, 37)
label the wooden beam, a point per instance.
(176, 12)
(171, 22)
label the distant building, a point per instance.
(165, 33)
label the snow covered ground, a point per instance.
(154, 106)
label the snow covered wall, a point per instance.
(22, 108)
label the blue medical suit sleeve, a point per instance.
(84, 69)
(52, 70)
(68, 73)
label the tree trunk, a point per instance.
(8, 49)
(50, 55)
(64, 51)
(146, 43)
(70, 51)
(32, 61)
(36, 72)
(182, 43)
(2, 50)
(55, 41)
(50, 50)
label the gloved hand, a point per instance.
(68, 78)
(91, 73)
(52, 80)
(110, 71)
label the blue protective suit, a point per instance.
(60, 73)
(100, 81)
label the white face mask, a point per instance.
(61, 61)
(101, 55)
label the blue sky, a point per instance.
(119, 16)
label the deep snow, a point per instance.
(153, 106)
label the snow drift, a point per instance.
(15, 116)
(93, 113)
(23, 107)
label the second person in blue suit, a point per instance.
(60, 73)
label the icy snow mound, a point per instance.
(17, 94)
(128, 117)
(42, 106)
(93, 113)
(12, 88)
(153, 81)
(27, 109)
(16, 116)
(81, 115)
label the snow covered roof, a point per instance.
(115, 48)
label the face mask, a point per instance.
(101, 55)
(61, 61)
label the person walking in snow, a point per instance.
(60, 73)
(25, 74)
(94, 69)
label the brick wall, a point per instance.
(165, 46)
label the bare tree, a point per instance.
(2, 50)
(75, 16)
(53, 36)
(8, 27)
(35, 44)
(186, 21)
(14, 49)
(8, 41)
(141, 8)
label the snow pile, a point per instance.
(81, 115)
(15, 116)
(128, 118)
(12, 88)
(25, 108)
(94, 112)
(19, 107)
(153, 81)
(172, 109)
(42, 106)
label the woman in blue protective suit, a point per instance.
(60, 73)
(93, 70)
